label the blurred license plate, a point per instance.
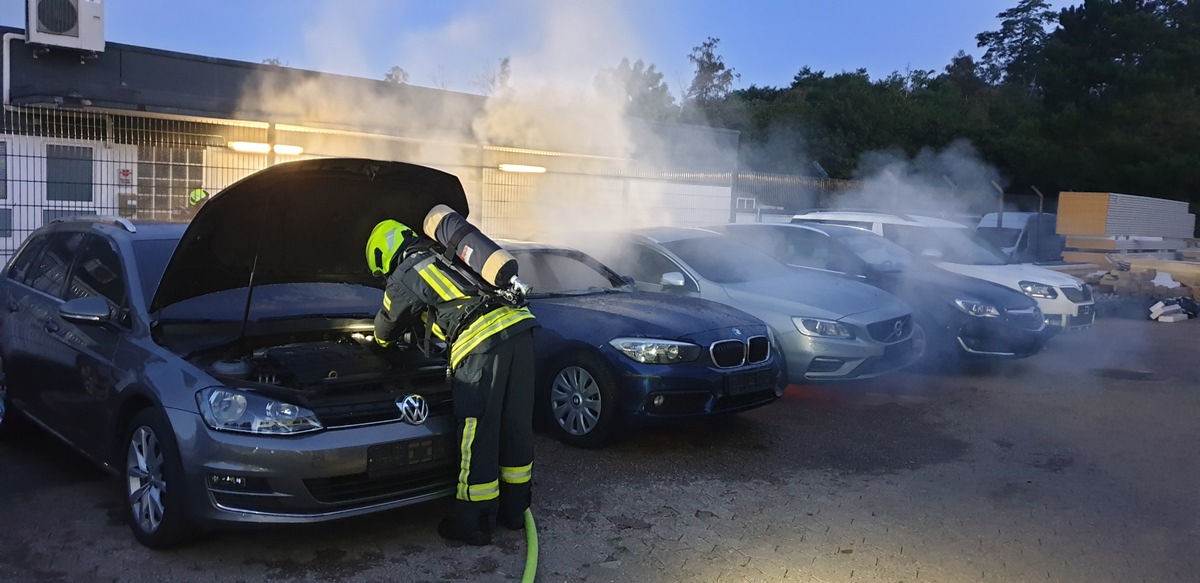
(393, 458)
(749, 382)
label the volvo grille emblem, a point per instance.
(413, 409)
(897, 330)
(737, 332)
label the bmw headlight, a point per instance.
(1038, 290)
(978, 309)
(227, 409)
(655, 351)
(821, 328)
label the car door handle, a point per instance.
(50, 326)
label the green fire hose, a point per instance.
(531, 553)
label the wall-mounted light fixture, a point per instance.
(287, 150)
(522, 168)
(261, 148)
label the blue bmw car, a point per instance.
(609, 356)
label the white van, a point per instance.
(1025, 237)
(1064, 299)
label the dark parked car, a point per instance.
(959, 315)
(828, 328)
(225, 372)
(608, 355)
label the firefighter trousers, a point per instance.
(493, 405)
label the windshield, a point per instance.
(999, 236)
(562, 271)
(879, 253)
(725, 260)
(950, 244)
(151, 257)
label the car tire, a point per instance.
(152, 487)
(582, 403)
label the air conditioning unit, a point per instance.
(70, 24)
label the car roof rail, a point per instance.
(122, 222)
(857, 210)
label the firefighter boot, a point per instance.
(466, 525)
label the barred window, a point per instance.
(165, 175)
(69, 173)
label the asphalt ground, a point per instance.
(1077, 464)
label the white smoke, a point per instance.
(546, 113)
(952, 182)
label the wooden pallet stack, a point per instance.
(1134, 238)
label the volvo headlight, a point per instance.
(226, 409)
(978, 309)
(655, 351)
(821, 328)
(1038, 290)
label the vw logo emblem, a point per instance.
(737, 332)
(413, 409)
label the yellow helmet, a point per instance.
(387, 239)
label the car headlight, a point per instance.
(226, 409)
(978, 309)
(822, 328)
(655, 351)
(1038, 290)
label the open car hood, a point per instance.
(300, 222)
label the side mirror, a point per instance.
(92, 309)
(671, 279)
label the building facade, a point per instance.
(129, 131)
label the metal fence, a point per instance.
(61, 162)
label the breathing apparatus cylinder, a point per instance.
(482, 255)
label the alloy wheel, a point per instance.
(144, 478)
(576, 401)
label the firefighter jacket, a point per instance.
(452, 306)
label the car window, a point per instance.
(726, 260)
(98, 273)
(879, 252)
(999, 236)
(25, 258)
(49, 274)
(556, 273)
(803, 247)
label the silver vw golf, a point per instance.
(223, 369)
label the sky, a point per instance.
(456, 44)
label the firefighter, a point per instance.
(196, 197)
(490, 366)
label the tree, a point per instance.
(640, 89)
(396, 75)
(492, 81)
(711, 82)
(1013, 50)
(272, 61)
